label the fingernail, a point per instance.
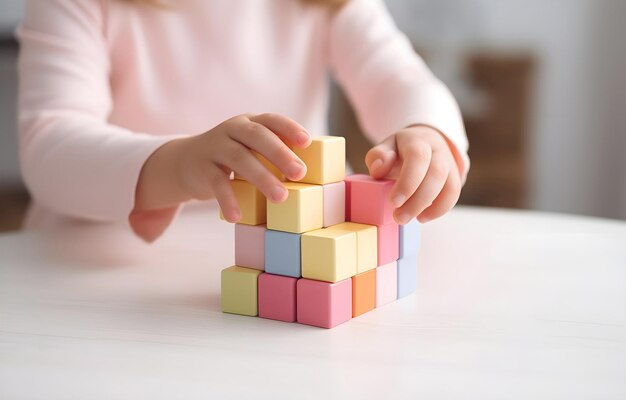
(295, 169)
(423, 220)
(403, 218)
(376, 164)
(236, 216)
(303, 137)
(278, 193)
(398, 200)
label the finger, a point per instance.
(261, 139)
(286, 128)
(223, 191)
(381, 158)
(240, 159)
(424, 196)
(445, 200)
(416, 159)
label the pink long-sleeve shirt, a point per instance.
(104, 83)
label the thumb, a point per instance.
(381, 158)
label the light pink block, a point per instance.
(369, 200)
(386, 283)
(324, 304)
(334, 203)
(277, 297)
(388, 243)
(250, 246)
(348, 182)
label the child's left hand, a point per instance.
(428, 180)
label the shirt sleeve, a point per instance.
(73, 161)
(388, 84)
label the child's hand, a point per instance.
(428, 180)
(199, 167)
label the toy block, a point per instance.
(250, 246)
(386, 283)
(348, 181)
(282, 253)
(363, 292)
(369, 200)
(251, 201)
(301, 212)
(334, 203)
(329, 255)
(239, 290)
(324, 304)
(268, 165)
(325, 159)
(277, 297)
(366, 244)
(410, 237)
(407, 276)
(388, 243)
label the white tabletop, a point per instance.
(509, 305)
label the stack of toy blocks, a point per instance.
(301, 261)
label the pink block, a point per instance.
(348, 182)
(277, 297)
(386, 283)
(324, 304)
(334, 203)
(369, 200)
(388, 243)
(250, 246)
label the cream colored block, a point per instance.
(329, 254)
(268, 165)
(251, 201)
(301, 212)
(325, 160)
(366, 244)
(239, 290)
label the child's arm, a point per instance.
(76, 163)
(404, 107)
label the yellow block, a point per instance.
(301, 212)
(270, 167)
(325, 160)
(366, 244)
(328, 255)
(239, 290)
(251, 201)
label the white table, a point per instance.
(509, 305)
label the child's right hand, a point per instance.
(199, 167)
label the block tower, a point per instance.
(330, 252)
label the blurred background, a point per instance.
(542, 86)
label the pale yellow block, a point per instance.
(366, 244)
(301, 212)
(328, 255)
(268, 165)
(325, 160)
(251, 201)
(239, 290)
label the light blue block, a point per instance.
(410, 236)
(407, 276)
(282, 253)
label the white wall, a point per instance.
(575, 135)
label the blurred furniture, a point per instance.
(89, 311)
(499, 175)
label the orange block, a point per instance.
(363, 292)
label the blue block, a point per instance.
(282, 253)
(407, 276)
(410, 236)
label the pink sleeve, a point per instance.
(388, 84)
(73, 161)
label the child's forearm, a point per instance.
(159, 185)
